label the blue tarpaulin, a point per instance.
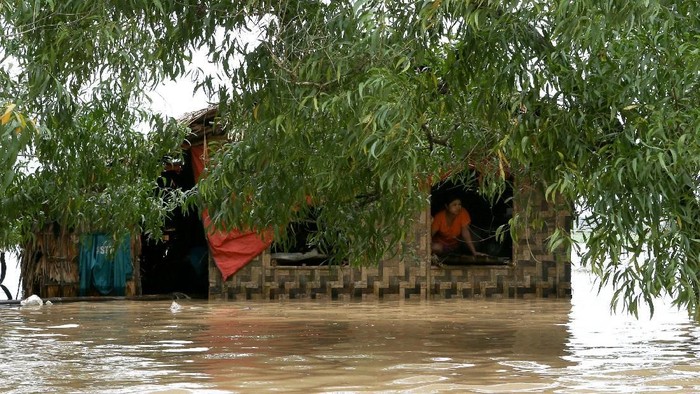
(104, 267)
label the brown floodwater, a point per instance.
(473, 345)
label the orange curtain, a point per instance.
(233, 249)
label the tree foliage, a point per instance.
(360, 104)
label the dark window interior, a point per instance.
(486, 218)
(179, 262)
(300, 249)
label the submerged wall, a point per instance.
(533, 271)
(50, 265)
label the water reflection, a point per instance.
(616, 351)
(479, 346)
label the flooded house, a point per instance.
(240, 266)
(523, 267)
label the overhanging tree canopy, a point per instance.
(357, 104)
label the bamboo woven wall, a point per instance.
(533, 273)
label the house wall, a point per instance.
(533, 272)
(50, 265)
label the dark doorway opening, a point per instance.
(487, 216)
(179, 262)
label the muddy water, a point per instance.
(482, 346)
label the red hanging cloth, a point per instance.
(233, 249)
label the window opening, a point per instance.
(301, 247)
(486, 218)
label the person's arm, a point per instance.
(467, 237)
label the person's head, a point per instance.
(453, 204)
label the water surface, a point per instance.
(474, 345)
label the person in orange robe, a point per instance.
(450, 227)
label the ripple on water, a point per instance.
(200, 349)
(174, 342)
(420, 380)
(513, 388)
(65, 326)
(525, 365)
(429, 366)
(228, 356)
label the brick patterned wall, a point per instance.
(551, 270)
(533, 272)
